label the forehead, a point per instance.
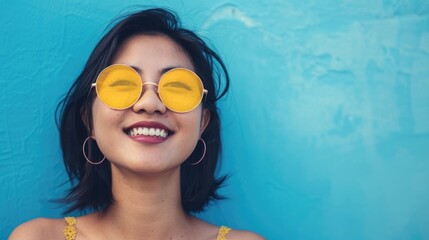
(152, 51)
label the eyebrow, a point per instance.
(162, 71)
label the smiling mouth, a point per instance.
(150, 132)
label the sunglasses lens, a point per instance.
(181, 90)
(119, 86)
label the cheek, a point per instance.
(104, 118)
(106, 125)
(191, 122)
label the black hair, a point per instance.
(91, 184)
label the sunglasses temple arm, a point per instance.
(205, 92)
(93, 85)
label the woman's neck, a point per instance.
(146, 207)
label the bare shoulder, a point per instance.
(39, 228)
(243, 235)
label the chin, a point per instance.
(143, 166)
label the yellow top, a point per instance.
(70, 230)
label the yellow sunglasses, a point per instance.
(119, 86)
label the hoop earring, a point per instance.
(204, 153)
(86, 157)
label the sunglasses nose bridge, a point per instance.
(150, 83)
(143, 90)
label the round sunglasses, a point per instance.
(120, 86)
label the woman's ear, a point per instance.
(86, 121)
(205, 119)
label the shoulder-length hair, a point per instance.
(91, 185)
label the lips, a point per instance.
(148, 131)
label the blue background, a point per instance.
(325, 129)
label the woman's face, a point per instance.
(124, 135)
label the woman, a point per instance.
(140, 137)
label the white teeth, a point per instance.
(148, 132)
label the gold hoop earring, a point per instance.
(204, 153)
(86, 157)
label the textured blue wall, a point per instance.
(326, 127)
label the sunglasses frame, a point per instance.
(204, 92)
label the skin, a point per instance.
(145, 177)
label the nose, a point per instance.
(149, 100)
